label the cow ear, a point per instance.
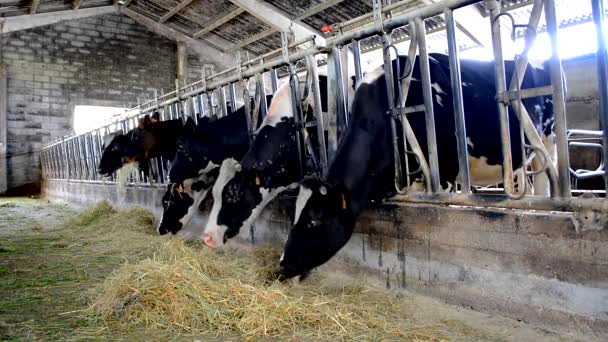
(155, 117)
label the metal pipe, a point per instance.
(461, 132)
(274, 80)
(342, 112)
(602, 71)
(332, 107)
(222, 101)
(559, 103)
(500, 82)
(261, 86)
(427, 93)
(502, 201)
(356, 47)
(232, 93)
(316, 96)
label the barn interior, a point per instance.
(477, 263)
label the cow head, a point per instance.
(323, 223)
(176, 203)
(192, 154)
(120, 149)
(236, 193)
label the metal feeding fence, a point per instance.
(75, 158)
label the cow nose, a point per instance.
(208, 240)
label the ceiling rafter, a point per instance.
(277, 19)
(307, 13)
(29, 21)
(219, 22)
(200, 47)
(174, 11)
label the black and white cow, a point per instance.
(270, 167)
(150, 139)
(363, 171)
(201, 149)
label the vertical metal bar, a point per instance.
(92, 151)
(559, 103)
(259, 79)
(428, 105)
(222, 102)
(67, 159)
(390, 83)
(232, 93)
(461, 132)
(316, 93)
(204, 111)
(602, 71)
(274, 80)
(332, 107)
(357, 59)
(499, 65)
(84, 154)
(341, 94)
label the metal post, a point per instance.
(332, 107)
(428, 104)
(461, 132)
(222, 102)
(232, 93)
(499, 65)
(341, 94)
(274, 80)
(559, 103)
(259, 80)
(602, 71)
(356, 47)
(316, 93)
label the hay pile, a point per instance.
(198, 291)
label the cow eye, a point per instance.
(115, 148)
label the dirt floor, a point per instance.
(48, 269)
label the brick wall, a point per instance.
(107, 61)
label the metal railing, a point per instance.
(75, 157)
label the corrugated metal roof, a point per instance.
(199, 14)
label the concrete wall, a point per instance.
(106, 61)
(544, 268)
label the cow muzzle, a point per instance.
(215, 239)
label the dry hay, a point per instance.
(195, 290)
(123, 174)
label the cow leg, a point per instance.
(541, 181)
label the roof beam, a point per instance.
(124, 3)
(205, 51)
(275, 18)
(174, 11)
(25, 22)
(472, 23)
(309, 12)
(221, 21)
(252, 39)
(316, 9)
(34, 6)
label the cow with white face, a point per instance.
(200, 151)
(363, 167)
(270, 166)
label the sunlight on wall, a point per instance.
(87, 118)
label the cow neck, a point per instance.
(273, 155)
(228, 136)
(361, 164)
